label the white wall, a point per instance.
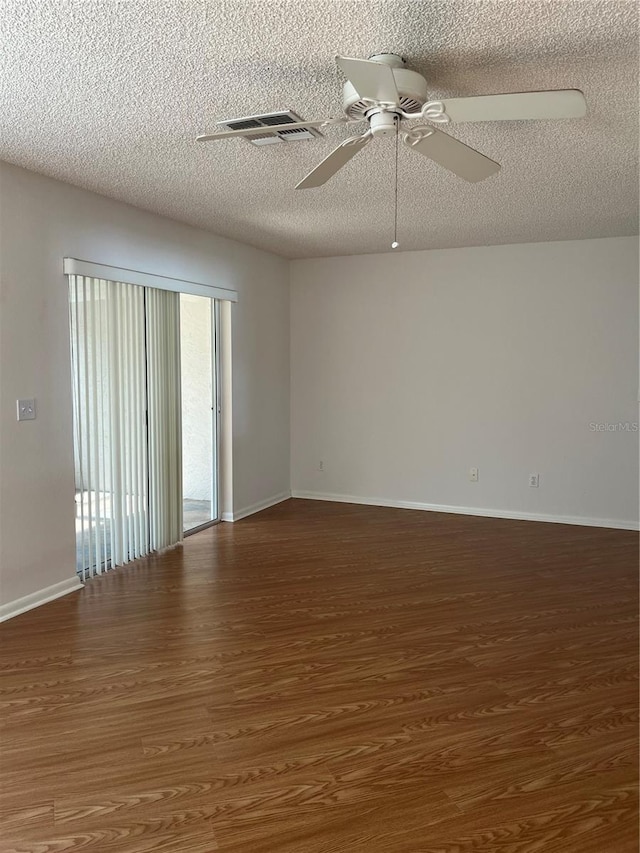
(408, 369)
(41, 221)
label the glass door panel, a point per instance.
(199, 420)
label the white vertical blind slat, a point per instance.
(135, 417)
(85, 413)
(121, 361)
(114, 398)
(152, 434)
(78, 445)
(143, 496)
(127, 366)
(140, 438)
(94, 462)
(99, 417)
(178, 502)
(105, 398)
(163, 346)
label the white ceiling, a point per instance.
(109, 95)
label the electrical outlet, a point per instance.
(321, 465)
(26, 410)
(534, 481)
(473, 475)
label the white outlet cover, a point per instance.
(26, 410)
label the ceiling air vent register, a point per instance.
(271, 121)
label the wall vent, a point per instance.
(267, 121)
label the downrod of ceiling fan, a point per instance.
(393, 60)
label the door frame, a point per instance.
(215, 420)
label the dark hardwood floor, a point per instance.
(331, 678)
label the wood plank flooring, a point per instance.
(331, 678)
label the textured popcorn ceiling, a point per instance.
(109, 95)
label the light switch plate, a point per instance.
(26, 410)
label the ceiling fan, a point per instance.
(384, 93)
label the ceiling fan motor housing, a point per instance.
(383, 123)
(412, 88)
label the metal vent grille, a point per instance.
(269, 121)
(297, 133)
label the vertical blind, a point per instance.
(164, 407)
(126, 409)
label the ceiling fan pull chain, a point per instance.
(395, 243)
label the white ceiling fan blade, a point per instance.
(454, 155)
(370, 79)
(253, 131)
(517, 106)
(339, 157)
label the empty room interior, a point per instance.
(319, 426)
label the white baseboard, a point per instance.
(35, 599)
(469, 510)
(257, 507)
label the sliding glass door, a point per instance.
(125, 354)
(198, 367)
(145, 411)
